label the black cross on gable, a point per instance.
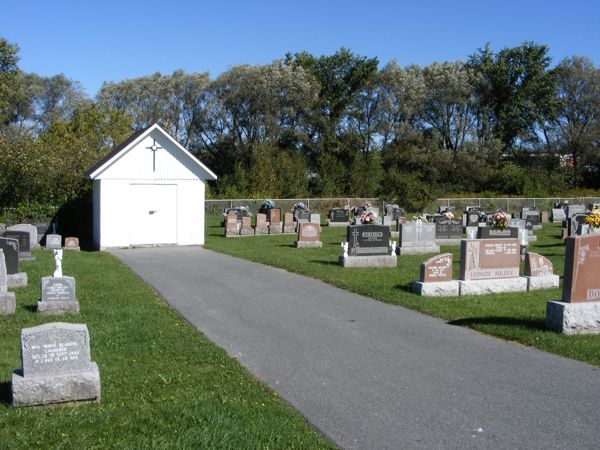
(153, 149)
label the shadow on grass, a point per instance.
(30, 308)
(407, 287)
(286, 245)
(326, 262)
(5, 394)
(532, 324)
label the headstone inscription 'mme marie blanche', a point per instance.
(56, 366)
(579, 310)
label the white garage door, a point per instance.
(153, 218)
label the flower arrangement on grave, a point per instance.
(421, 217)
(499, 220)
(298, 205)
(593, 220)
(267, 204)
(449, 215)
(367, 205)
(367, 218)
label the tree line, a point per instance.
(505, 122)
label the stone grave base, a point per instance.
(532, 238)
(337, 224)
(26, 257)
(275, 228)
(307, 244)
(16, 280)
(436, 289)
(448, 241)
(483, 287)
(53, 308)
(544, 282)
(261, 230)
(289, 229)
(369, 261)
(417, 250)
(43, 390)
(246, 232)
(8, 303)
(72, 249)
(230, 234)
(536, 227)
(573, 318)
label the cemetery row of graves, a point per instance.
(67, 335)
(492, 249)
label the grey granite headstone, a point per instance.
(315, 218)
(416, 238)
(58, 296)
(31, 229)
(7, 299)
(558, 215)
(56, 366)
(54, 241)
(339, 215)
(415, 234)
(575, 209)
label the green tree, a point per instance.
(448, 102)
(577, 123)
(515, 90)
(8, 72)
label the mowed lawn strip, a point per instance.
(164, 385)
(513, 316)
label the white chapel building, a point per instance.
(149, 191)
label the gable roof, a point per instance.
(131, 141)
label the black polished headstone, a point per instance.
(11, 254)
(339, 215)
(448, 229)
(368, 240)
(24, 240)
(302, 214)
(491, 233)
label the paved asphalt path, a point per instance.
(370, 375)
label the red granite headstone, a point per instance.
(309, 232)
(437, 268)
(582, 269)
(489, 259)
(231, 225)
(274, 215)
(537, 265)
(261, 220)
(288, 223)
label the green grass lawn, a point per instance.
(513, 316)
(164, 385)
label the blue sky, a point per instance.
(96, 41)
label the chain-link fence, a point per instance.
(316, 205)
(322, 205)
(511, 204)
